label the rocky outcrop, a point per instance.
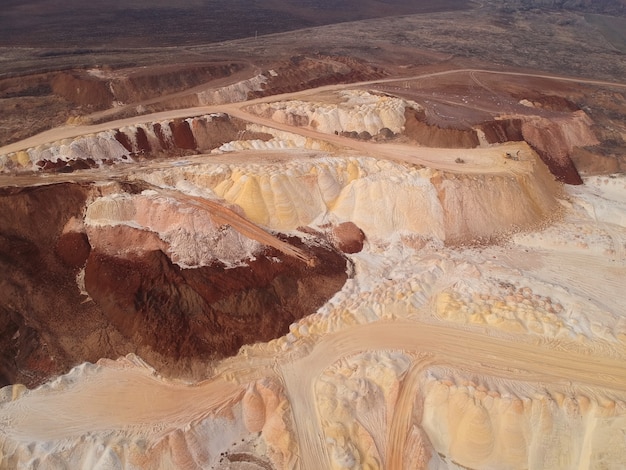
(82, 289)
(348, 237)
(148, 140)
(430, 135)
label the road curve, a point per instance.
(68, 132)
(114, 399)
(448, 346)
(133, 399)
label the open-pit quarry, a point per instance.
(370, 275)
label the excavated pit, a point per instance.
(468, 112)
(138, 300)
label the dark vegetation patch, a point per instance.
(139, 23)
(612, 28)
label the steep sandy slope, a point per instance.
(175, 277)
(382, 198)
(495, 356)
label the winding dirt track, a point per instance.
(132, 400)
(449, 347)
(67, 132)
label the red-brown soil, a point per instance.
(545, 113)
(172, 317)
(347, 237)
(432, 135)
(74, 93)
(82, 90)
(301, 73)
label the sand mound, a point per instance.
(381, 198)
(348, 111)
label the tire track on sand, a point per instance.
(448, 347)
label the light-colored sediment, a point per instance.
(475, 397)
(478, 331)
(312, 188)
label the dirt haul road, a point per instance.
(224, 215)
(134, 401)
(69, 132)
(449, 347)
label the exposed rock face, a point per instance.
(428, 135)
(167, 138)
(38, 280)
(473, 208)
(354, 111)
(141, 301)
(348, 237)
(433, 204)
(554, 140)
(503, 130)
(208, 312)
(122, 224)
(82, 90)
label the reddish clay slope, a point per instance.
(143, 303)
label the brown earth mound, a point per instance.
(347, 237)
(82, 90)
(174, 318)
(431, 135)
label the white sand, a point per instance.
(508, 355)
